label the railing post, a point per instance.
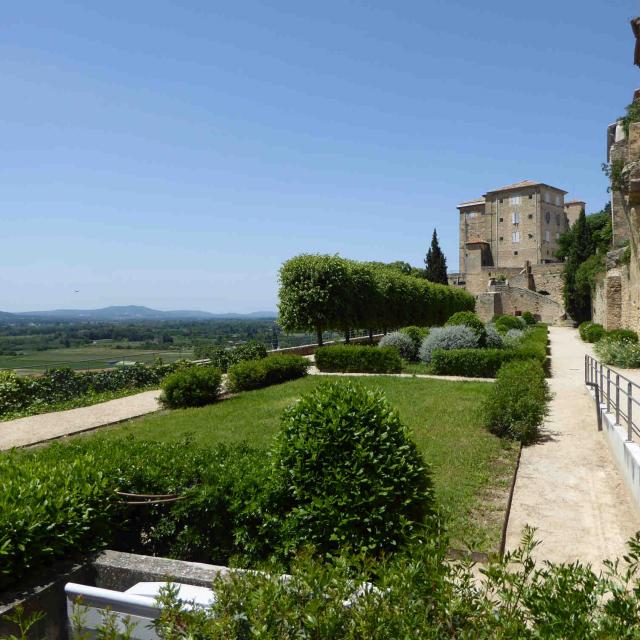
(601, 383)
(629, 412)
(608, 390)
(586, 368)
(617, 398)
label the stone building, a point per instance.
(508, 241)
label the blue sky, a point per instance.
(173, 154)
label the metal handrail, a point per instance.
(616, 392)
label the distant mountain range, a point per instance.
(131, 312)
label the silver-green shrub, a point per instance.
(402, 342)
(621, 353)
(513, 337)
(494, 339)
(453, 337)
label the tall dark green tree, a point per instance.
(577, 298)
(435, 262)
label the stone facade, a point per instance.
(616, 299)
(514, 301)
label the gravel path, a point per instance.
(48, 426)
(568, 487)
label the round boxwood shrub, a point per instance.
(402, 342)
(513, 337)
(471, 320)
(193, 387)
(591, 331)
(504, 323)
(529, 318)
(348, 472)
(454, 337)
(417, 334)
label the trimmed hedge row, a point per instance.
(485, 363)
(255, 374)
(358, 359)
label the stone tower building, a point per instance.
(508, 241)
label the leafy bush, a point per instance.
(61, 500)
(625, 335)
(194, 387)
(529, 318)
(422, 594)
(222, 358)
(517, 403)
(348, 472)
(402, 342)
(620, 353)
(254, 374)
(22, 394)
(358, 359)
(471, 320)
(513, 337)
(453, 337)
(504, 323)
(494, 339)
(591, 331)
(417, 334)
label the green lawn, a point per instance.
(472, 468)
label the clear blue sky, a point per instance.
(173, 154)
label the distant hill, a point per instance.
(128, 313)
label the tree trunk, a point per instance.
(319, 335)
(371, 336)
(347, 336)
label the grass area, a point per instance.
(89, 357)
(472, 468)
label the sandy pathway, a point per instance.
(47, 426)
(569, 487)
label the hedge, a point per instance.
(485, 363)
(193, 387)
(591, 331)
(254, 374)
(358, 359)
(20, 393)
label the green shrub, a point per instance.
(620, 353)
(222, 358)
(625, 335)
(504, 323)
(219, 356)
(471, 320)
(417, 334)
(251, 350)
(254, 374)
(194, 387)
(591, 331)
(475, 363)
(529, 318)
(358, 359)
(517, 403)
(349, 474)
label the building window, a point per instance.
(514, 200)
(531, 235)
(515, 253)
(557, 235)
(501, 200)
(472, 214)
(501, 238)
(501, 219)
(515, 217)
(547, 217)
(558, 200)
(530, 216)
(547, 235)
(558, 219)
(530, 196)
(515, 236)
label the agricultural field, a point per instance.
(98, 356)
(472, 468)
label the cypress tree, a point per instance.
(577, 301)
(435, 262)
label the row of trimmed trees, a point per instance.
(324, 292)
